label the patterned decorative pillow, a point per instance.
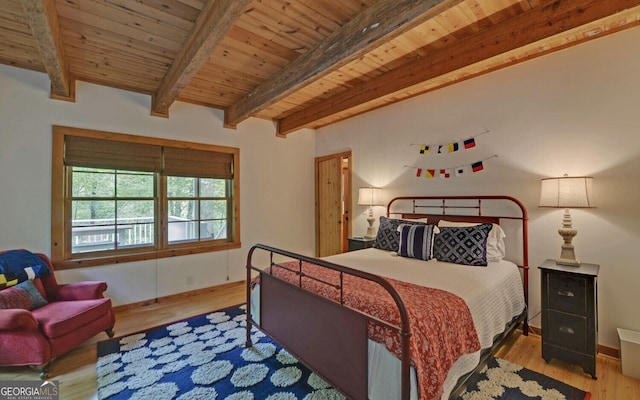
(24, 295)
(416, 241)
(34, 294)
(496, 250)
(388, 237)
(14, 298)
(462, 245)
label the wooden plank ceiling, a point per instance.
(300, 63)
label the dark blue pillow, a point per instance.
(462, 245)
(388, 237)
(416, 241)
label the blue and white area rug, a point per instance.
(501, 379)
(204, 357)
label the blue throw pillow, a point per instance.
(416, 241)
(462, 245)
(388, 237)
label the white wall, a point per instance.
(277, 200)
(574, 112)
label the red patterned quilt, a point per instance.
(441, 324)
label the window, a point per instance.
(118, 198)
(198, 209)
(111, 210)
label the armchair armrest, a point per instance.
(86, 290)
(17, 319)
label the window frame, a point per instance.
(61, 255)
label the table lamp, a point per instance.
(567, 192)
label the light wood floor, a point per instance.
(75, 371)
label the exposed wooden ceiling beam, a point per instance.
(535, 25)
(382, 21)
(43, 20)
(211, 26)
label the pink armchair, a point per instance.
(35, 333)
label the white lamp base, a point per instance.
(371, 232)
(567, 255)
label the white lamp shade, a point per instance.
(370, 196)
(567, 192)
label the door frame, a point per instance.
(345, 188)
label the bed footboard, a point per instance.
(329, 337)
(309, 329)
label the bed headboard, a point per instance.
(500, 210)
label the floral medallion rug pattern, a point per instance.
(204, 357)
(501, 379)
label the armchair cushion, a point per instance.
(63, 317)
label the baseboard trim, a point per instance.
(191, 293)
(602, 349)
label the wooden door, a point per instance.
(332, 203)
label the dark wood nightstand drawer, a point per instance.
(359, 243)
(568, 293)
(567, 330)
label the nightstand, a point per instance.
(570, 314)
(359, 243)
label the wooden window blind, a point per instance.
(101, 153)
(197, 163)
(172, 161)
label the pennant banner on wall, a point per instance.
(449, 147)
(446, 173)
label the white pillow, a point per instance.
(424, 220)
(495, 242)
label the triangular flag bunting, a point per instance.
(450, 147)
